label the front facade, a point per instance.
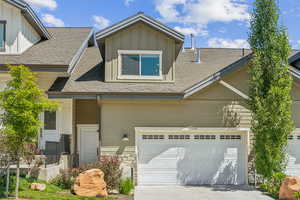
(174, 116)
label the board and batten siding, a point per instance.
(139, 37)
(19, 33)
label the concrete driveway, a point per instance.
(198, 193)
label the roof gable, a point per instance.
(140, 17)
(31, 17)
(233, 67)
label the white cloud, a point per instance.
(167, 9)
(51, 20)
(202, 12)
(191, 30)
(127, 2)
(206, 11)
(101, 22)
(227, 43)
(38, 4)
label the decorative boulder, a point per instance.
(37, 186)
(289, 186)
(90, 183)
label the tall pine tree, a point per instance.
(270, 87)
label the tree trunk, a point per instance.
(7, 181)
(18, 179)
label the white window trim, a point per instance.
(139, 77)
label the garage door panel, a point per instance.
(293, 165)
(191, 161)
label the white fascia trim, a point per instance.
(79, 53)
(203, 84)
(208, 130)
(295, 73)
(230, 87)
(139, 17)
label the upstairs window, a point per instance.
(140, 64)
(50, 120)
(2, 35)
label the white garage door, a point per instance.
(191, 159)
(293, 166)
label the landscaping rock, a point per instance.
(90, 183)
(37, 186)
(289, 186)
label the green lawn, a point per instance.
(52, 192)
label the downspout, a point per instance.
(99, 118)
(75, 135)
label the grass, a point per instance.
(51, 192)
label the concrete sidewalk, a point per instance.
(198, 193)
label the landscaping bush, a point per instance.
(297, 195)
(273, 184)
(110, 165)
(112, 171)
(64, 180)
(126, 186)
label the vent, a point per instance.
(290, 137)
(230, 137)
(153, 137)
(179, 137)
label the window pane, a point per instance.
(50, 120)
(130, 65)
(1, 35)
(150, 65)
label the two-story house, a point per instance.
(174, 115)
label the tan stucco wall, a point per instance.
(240, 81)
(206, 108)
(86, 111)
(139, 37)
(121, 118)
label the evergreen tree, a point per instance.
(270, 88)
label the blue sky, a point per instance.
(216, 23)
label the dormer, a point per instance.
(20, 28)
(139, 49)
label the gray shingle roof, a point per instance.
(88, 77)
(57, 51)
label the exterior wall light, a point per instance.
(125, 138)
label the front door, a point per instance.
(88, 143)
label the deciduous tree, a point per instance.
(22, 102)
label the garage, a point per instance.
(191, 158)
(293, 165)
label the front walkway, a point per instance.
(198, 193)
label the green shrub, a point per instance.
(112, 171)
(272, 184)
(126, 186)
(64, 180)
(110, 165)
(297, 195)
